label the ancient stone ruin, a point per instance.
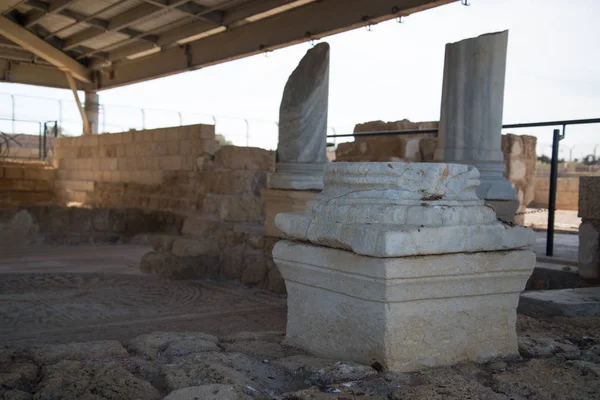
(415, 269)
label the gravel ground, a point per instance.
(560, 359)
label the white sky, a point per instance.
(395, 72)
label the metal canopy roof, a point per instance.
(109, 43)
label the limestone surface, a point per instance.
(303, 110)
(403, 313)
(402, 209)
(471, 110)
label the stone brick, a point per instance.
(589, 197)
(235, 182)
(14, 172)
(255, 269)
(241, 209)
(191, 247)
(251, 158)
(232, 262)
(589, 249)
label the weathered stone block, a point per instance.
(280, 201)
(250, 158)
(255, 269)
(241, 209)
(589, 197)
(391, 311)
(191, 247)
(589, 249)
(235, 182)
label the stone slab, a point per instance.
(297, 176)
(405, 313)
(589, 193)
(280, 201)
(589, 249)
(564, 302)
(399, 209)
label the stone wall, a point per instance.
(519, 152)
(73, 225)
(589, 231)
(24, 184)
(224, 238)
(567, 192)
(520, 161)
(153, 169)
(418, 147)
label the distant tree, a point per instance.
(544, 159)
(222, 140)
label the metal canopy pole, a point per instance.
(556, 138)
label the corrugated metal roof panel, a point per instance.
(105, 39)
(160, 19)
(88, 7)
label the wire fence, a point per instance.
(17, 110)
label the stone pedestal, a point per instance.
(402, 264)
(406, 313)
(471, 114)
(283, 201)
(297, 176)
(589, 230)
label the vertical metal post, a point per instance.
(40, 140)
(60, 112)
(12, 100)
(247, 133)
(55, 129)
(143, 119)
(103, 118)
(180, 118)
(45, 146)
(556, 138)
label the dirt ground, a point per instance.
(560, 359)
(564, 220)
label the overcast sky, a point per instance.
(395, 70)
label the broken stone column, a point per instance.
(92, 111)
(471, 115)
(402, 264)
(589, 230)
(302, 147)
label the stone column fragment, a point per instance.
(301, 152)
(471, 111)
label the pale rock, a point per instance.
(92, 380)
(589, 249)
(471, 110)
(544, 345)
(402, 209)
(302, 146)
(303, 110)
(209, 392)
(152, 344)
(405, 313)
(52, 353)
(251, 158)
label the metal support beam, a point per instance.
(36, 74)
(73, 86)
(312, 21)
(36, 45)
(8, 5)
(34, 16)
(232, 19)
